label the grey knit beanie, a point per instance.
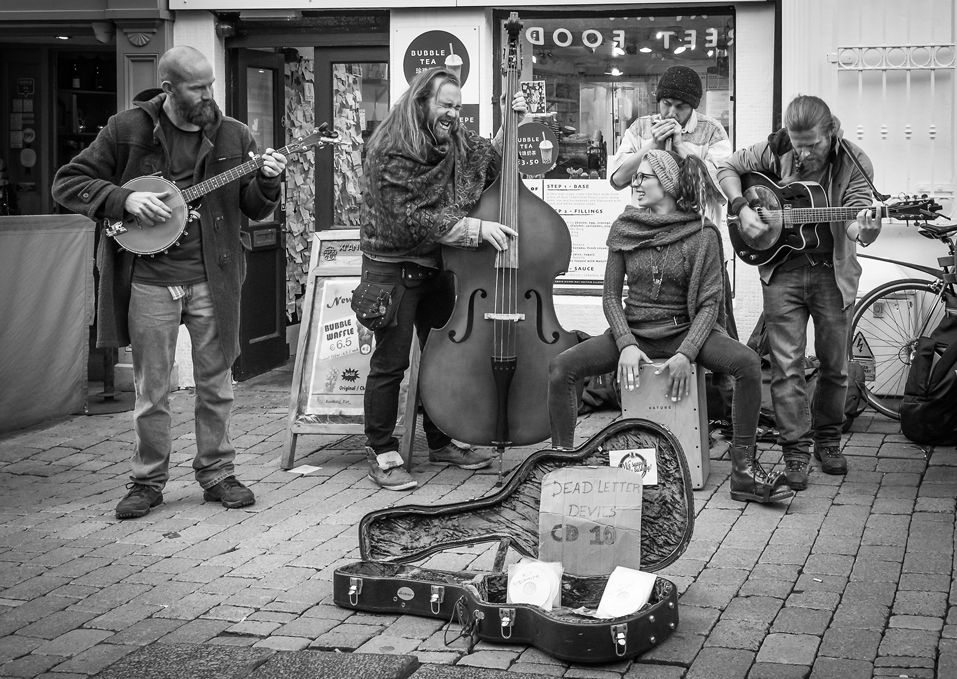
(666, 169)
(680, 82)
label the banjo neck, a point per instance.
(250, 166)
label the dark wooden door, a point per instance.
(257, 88)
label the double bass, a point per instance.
(484, 376)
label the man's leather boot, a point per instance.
(749, 481)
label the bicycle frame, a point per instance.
(936, 273)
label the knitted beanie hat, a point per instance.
(666, 169)
(680, 82)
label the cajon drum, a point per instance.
(687, 419)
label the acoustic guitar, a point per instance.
(796, 213)
(159, 238)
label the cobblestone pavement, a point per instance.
(851, 578)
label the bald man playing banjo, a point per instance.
(137, 176)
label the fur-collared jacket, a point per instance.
(133, 145)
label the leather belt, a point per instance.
(805, 259)
(409, 271)
(661, 323)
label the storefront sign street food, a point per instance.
(594, 38)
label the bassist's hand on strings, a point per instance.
(148, 208)
(497, 235)
(273, 163)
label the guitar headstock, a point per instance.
(916, 208)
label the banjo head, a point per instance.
(150, 240)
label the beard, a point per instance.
(810, 165)
(201, 114)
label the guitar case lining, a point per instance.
(386, 580)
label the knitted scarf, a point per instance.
(637, 228)
(409, 203)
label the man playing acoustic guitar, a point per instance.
(180, 133)
(818, 282)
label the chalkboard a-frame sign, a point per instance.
(332, 361)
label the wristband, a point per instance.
(860, 242)
(735, 206)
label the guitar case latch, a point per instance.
(507, 616)
(438, 596)
(619, 636)
(355, 588)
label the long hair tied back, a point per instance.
(687, 180)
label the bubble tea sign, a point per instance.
(434, 49)
(537, 148)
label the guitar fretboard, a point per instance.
(812, 215)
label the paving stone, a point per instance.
(73, 642)
(737, 634)
(909, 672)
(678, 649)
(851, 644)
(94, 659)
(933, 604)
(778, 671)
(789, 649)
(56, 624)
(909, 643)
(801, 621)
(904, 661)
(465, 672)
(186, 661)
(720, 663)
(927, 623)
(830, 668)
(345, 637)
(29, 665)
(488, 656)
(146, 631)
(641, 670)
(195, 632)
(753, 609)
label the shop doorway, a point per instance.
(352, 94)
(258, 100)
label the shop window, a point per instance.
(601, 70)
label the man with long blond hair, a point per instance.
(422, 174)
(818, 283)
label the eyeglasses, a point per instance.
(640, 177)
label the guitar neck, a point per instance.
(814, 215)
(213, 183)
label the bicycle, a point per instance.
(889, 320)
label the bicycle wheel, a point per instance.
(885, 327)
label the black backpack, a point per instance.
(929, 407)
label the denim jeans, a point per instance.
(790, 299)
(599, 355)
(422, 304)
(154, 320)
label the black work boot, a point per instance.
(797, 466)
(749, 481)
(832, 459)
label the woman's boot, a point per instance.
(749, 481)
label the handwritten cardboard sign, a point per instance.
(590, 519)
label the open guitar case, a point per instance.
(389, 539)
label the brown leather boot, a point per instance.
(749, 481)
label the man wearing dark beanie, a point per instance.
(676, 127)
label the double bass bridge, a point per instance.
(515, 318)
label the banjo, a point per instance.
(159, 238)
